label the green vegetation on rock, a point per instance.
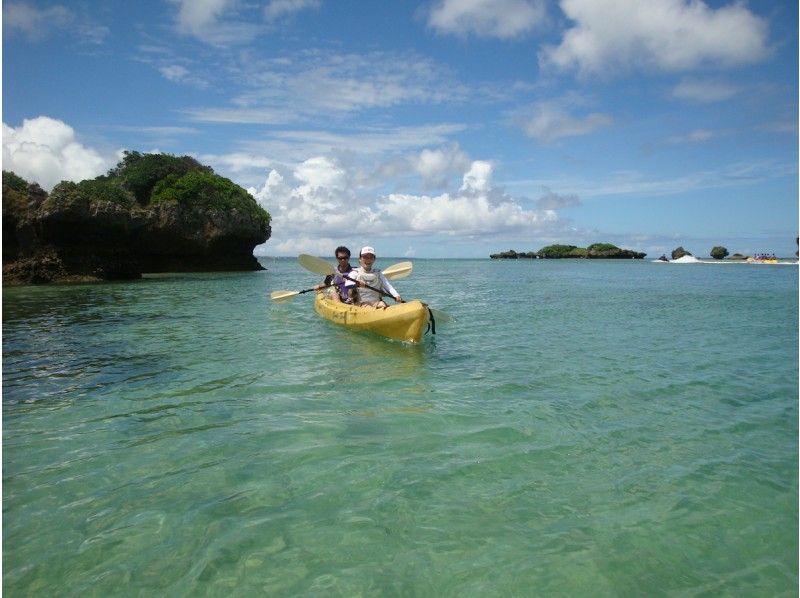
(206, 190)
(15, 193)
(561, 251)
(140, 173)
(152, 179)
(557, 251)
(93, 190)
(719, 252)
(14, 182)
(602, 247)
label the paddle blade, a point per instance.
(281, 296)
(315, 264)
(440, 316)
(400, 270)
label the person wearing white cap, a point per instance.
(366, 276)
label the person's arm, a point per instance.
(387, 286)
(326, 283)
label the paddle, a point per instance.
(440, 316)
(323, 268)
(398, 270)
(282, 296)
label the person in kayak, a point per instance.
(366, 276)
(342, 286)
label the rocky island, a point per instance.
(603, 251)
(151, 213)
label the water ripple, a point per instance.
(607, 429)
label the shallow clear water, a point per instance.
(582, 428)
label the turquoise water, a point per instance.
(581, 429)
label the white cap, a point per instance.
(366, 249)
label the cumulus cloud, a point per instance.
(317, 200)
(478, 179)
(549, 121)
(503, 19)
(668, 35)
(277, 9)
(437, 166)
(46, 151)
(316, 197)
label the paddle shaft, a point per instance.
(383, 293)
(281, 296)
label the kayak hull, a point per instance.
(405, 322)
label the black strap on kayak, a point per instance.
(431, 322)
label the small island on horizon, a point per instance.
(603, 251)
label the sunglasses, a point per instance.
(342, 257)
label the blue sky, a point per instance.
(437, 128)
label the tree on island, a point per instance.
(718, 252)
(557, 251)
(561, 251)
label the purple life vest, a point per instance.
(340, 282)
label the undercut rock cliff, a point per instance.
(76, 233)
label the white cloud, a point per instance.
(327, 86)
(503, 19)
(32, 21)
(196, 16)
(668, 35)
(316, 197)
(180, 74)
(38, 23)
(322, 82)
(436, 166)
(317, 200)
(294, 146)
(459, 215)
(45, 150)
(478, 179)
(556, 201)
(237, 162)
(277, 9)
(704, 91)
(174, 72)
(215, 22)
(320, 174)
(548, 121)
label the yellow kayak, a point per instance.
(401, 322)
